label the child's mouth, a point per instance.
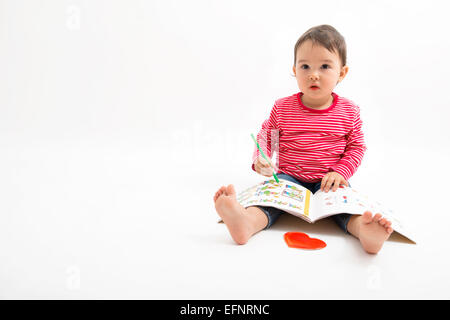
(314, 88)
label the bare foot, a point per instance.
(233, 214)
(373, 231)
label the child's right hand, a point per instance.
(263, 167)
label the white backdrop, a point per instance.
(120, 119)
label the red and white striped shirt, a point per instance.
(310, 142)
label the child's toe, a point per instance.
(219, 193)
(230, 191)
(377, 217)
(388, 227)
(367, 217)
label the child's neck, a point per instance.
(317, 104)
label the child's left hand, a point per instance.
(332, 178)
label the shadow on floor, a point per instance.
(289, 222)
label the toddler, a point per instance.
(319, 139)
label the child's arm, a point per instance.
(267, 137)
(354, 151)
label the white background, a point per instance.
(120, 119)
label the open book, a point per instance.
(299, 201)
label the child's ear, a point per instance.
(343, 73)
(293, 69)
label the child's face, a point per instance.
(318, 71)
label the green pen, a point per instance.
(264, 156)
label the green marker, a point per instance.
(264, 156)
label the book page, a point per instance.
(345, 200)
(350, 200)
(286, 195)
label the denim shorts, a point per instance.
(274, 213)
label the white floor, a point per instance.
(85, 220)
(119, 120)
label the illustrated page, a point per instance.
(349, 200)
(285, 195)
(346, 200)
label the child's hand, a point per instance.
(332, 178)
(263, 167)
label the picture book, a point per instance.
(299, 201)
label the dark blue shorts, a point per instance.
(274, 213)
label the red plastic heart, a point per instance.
(301, 240)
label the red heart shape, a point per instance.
(302, 241)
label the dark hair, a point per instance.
(326, 36)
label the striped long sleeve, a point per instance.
(311, 142)
(354, 150)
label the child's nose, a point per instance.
(313, 76)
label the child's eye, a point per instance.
(325, 66)
(304, 66)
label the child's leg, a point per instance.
(242, 223)
(372, 231)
